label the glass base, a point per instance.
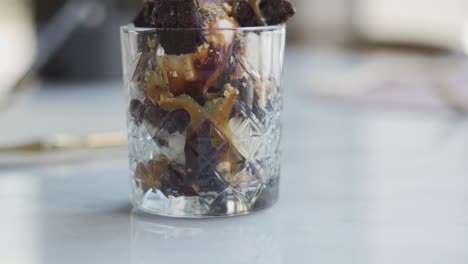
(226, 204)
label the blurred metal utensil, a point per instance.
(67, 142)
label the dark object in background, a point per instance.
(92, 52)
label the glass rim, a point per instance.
(132, 28)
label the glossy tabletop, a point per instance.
(358, 186)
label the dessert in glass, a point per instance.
(203, 82)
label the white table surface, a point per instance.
(358, 186)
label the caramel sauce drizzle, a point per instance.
(217, 111)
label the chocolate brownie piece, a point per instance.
(276, 12)
(143, 19)
(273, 12)
(176, 15)
(245, 15)
(175, 121)
(154, 115)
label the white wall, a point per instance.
(437, 22)
(434, 22)
(17, 41)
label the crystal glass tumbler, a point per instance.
(204, 124)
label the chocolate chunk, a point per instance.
(245, 15)
(144, 19)
(273, 12)
(176, 183)
(154, 115)
(191, 149)
(137, 110)
(201, 158)
(195, 90)
(276, 12)
(177, 121)
(215, 89)
(180, 14)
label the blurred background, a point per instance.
(368, 55)
(375, 139)
(83, 36)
